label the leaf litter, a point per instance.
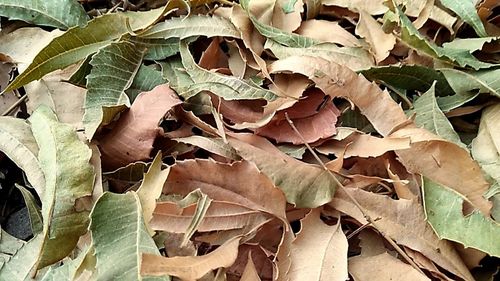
(250, 140)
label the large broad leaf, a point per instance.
(18, 143)
(444, 212)
(61, 14)
(69, 176)
(276, 34)
(185, 27)
(79, 42)
(114, 69)
(354, 58)
(304, 185)
(227, 87)
(118, 253)
(430, 117)
(411, 36)
(466, 10)
(486, 81)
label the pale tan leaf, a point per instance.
(336, 34)
(319, 252)
(190, 268)
(381, 43)
(381, 268)
(250, 273)
(132, 137)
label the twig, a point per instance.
(15, 105)
(354, 200)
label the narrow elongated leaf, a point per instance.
(123, 212)
(69, 176)
(33, 209)
(79, 42)
(20, 266)
(18, 143)
(444, 212)
(114, 69)
(146, 79)
(196, 25)
(486, 81)
(61, 14)
(157, 48)
(430, 117)
(354, 58)
(410, 77)
(466, 10)
(411, 36)
(227, 87)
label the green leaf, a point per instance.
(113, 70)
(9, 245)
(33, 209)
(276, 34)
(466, 10)
(145, 80)
(214, 145)
(17, 143)
(411, 36)
(410, 77)
(227, 87)
(449, 103)
(430, 117)
(486, 81)
(157, 48)
(177, 76)
(121, 212)
(64, 159)
(70, 270)
(79, 42)
(21, 265)
(184, 27)
(470, 44)
(354, 58)
(444, 213)
(79, 77)
(62, 14)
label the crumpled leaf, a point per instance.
(113, 70)
(79, 42)
(304, 185)
(61, 14)
(444, 213)
(133, 136)
(18, 143)
(439, 160)
(123, 212)
(336, 33)
(190, 268)
(404, 222)
(466, 10)
(381, 43)
(227, 87)
(64, 160)
(319, 252)
(382, 267)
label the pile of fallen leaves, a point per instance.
(250, 140)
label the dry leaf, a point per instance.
(381, 43)
(336, 34)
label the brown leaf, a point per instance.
(132, 137)
(190, 268)
(313, 120)
(239, 183)
(380, 42)
(319, 252)
(250, 273)
(336, 34)
(382, 267)
(429, 155)
(404, 222)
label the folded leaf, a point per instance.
(64, 159)
(123, 212)
(113, 70)
(444, 213)
(61, 14)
